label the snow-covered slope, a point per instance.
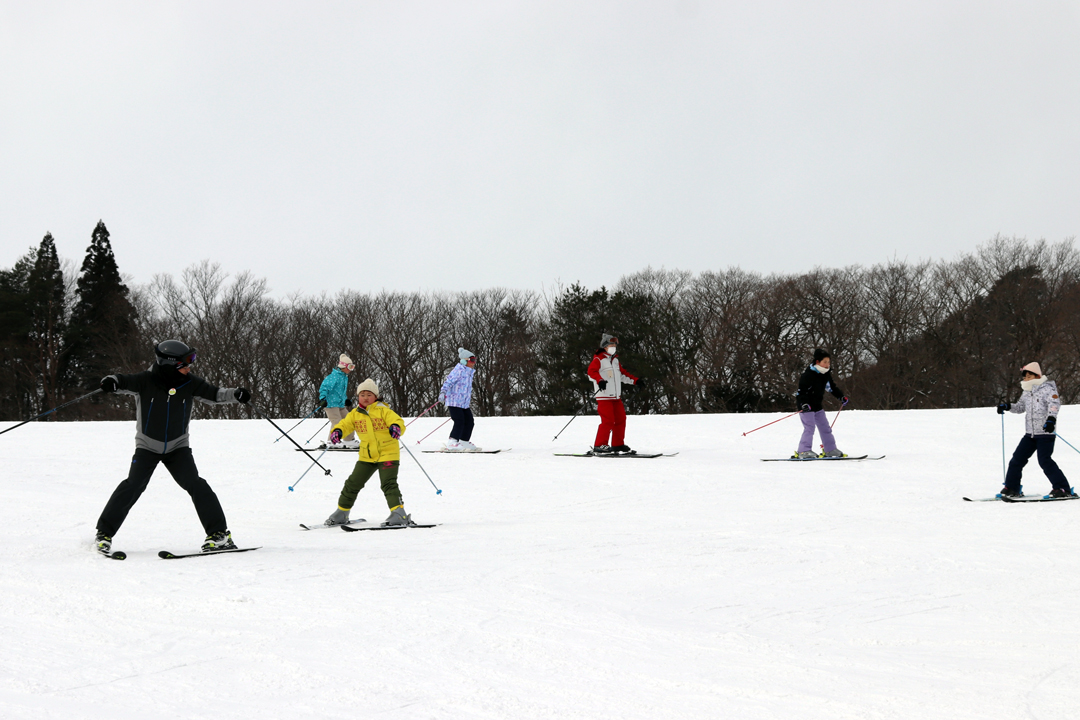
(705, 585)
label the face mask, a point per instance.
(611, 349)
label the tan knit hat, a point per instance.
(346, 363)
(368, 385)
(1033, 368)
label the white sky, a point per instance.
(463, 145)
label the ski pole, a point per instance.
(307, 471)
(433, 431)
(298, 424)
(1003, 443)
(584, 405)
(772, 423)
(437, 490)
(306, 452)
(422, 414)
(833, 423)
(47, 412)
(317, 432)
(1004, 473)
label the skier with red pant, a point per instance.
(608, 377)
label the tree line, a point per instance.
(942, 334)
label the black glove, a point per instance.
(805, 407)
(1002, 407)
(108, 383)
(242, 395)
(602, 384)
(322, 402)
(844, 401)
(348, 403)
(1050, 424)
(639, 382)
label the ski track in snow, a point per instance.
(699, 586)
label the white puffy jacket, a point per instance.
(1039, 403)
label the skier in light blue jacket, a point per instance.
(334, 397)
(456, 395)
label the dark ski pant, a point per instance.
(612, 430)
(388, 472)
(181, 465)
(463, 423)
(1029, 445)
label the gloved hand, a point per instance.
(335, 436)
(108, 384)
(639, 382)
(1050, 424)
(442, 398)
(322, 402)
(348, 403)
(805, 407)
(242, 395)
(395, 432)
(844, 401)
(1002, 407)
(602, 384)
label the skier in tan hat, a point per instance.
(334, 397)
(1041, 404)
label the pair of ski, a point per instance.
(357, 526)
(826, 459)
(635, 454)
(468, 452)
(1023, 499)
(166, 555)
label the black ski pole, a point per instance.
(574, 418)
(47, 412)
(298, 424)
(306, 452)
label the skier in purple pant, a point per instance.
(814, 383)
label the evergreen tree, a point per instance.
(46, 310)
(17, 393)
(103, 320)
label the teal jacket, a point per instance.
(334, 388)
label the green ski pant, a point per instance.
(388, 472)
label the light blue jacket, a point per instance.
(334, 388)
(457, 390)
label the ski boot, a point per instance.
(622, 450)
(398, 517)
(453, 445)
(1061, 493)
(338, 517)
(834, 453)
(103, 543)
(467, 446)
(805, 455)
(219, 541)
(1006, 492)
(601, 450)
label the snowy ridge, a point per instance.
(701, 586)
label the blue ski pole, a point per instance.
(1067, 442)
(437, 490)
(297, 424)
(316, 432)
(307, 471)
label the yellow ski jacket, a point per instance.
(372, 428)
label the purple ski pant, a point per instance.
(811, 420)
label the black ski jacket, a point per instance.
(813, 386)
(163, 403)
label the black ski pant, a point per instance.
(181, 465)
(1029, 445)
(463, 423)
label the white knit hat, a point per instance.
(368, 385)
(346, 363)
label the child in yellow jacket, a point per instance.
(378, 428)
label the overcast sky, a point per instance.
(463, 145)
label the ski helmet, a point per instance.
(175, 353)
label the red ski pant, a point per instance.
(612, 422)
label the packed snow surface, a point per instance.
(705, 585)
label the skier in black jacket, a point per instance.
(814, 383)
(164, 395)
